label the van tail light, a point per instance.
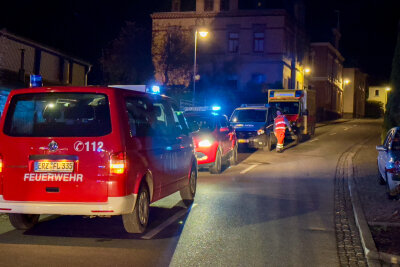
(1, 164)
(117, 163)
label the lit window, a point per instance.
(233, 42)
(259, 42)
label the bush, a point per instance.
(373, 109)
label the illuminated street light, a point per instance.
(388, 89)
(203, 34)
(307, 70)
(346, 81)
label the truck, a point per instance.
(299, 107)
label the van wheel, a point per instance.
(189, 191)
(268, 145)
(234, 156)
(23, 221)
(217, 167)
(136, 221)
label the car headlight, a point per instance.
(260, 132)
(205, 143)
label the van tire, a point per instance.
(136, 221)
(216, 168)
(268, 145)
(234, 156)
(189, 191)
(23, 221)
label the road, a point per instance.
(269, 210)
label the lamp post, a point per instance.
(202, 34)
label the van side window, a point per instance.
(180, 121)
(139, 115)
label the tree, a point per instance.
(172, 56)
(128, 58)
(392, 115)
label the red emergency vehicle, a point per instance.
(214, 139)
(298, 106)
(92, 151)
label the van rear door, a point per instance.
(56, 147)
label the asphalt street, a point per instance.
(269, 210)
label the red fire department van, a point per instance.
(299, 107)
(92, 151)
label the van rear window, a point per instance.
(58, 115)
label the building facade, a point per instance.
(248, 50)
(327, 80)
(380, 94)
(19, 58)
(354, 93)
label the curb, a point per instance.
(374, 257)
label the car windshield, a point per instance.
(249, 115)
(58, 115)
(200, 123)
(286, 107)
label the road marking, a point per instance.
(164, 225)
(316, 139)
(249, 168)
(345, 129)
(332, 134)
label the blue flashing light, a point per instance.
(298, 93)
(216, 108)
(155, 89)
(271, 93)
(36, 81)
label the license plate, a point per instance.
(53, 166)
(243, 140)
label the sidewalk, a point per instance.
(324, 123)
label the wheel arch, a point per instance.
(147, 178)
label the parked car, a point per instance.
(254, 126)
(214, 140)
(389, 162)
(92, 151)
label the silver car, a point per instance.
(389, 163)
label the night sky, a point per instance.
(83, 28)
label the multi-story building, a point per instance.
(327, 79)
(380, 94)
(354, 93)
(19, 58)
(251, 46)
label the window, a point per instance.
(249, 115)
(224, 5)
(258, 42)
(376, 92)
(58, 115)
(233, 42)
(208, 5)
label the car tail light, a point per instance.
(205, 143)
(117, 163)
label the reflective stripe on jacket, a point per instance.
(280, 123)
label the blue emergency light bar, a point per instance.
(36, 81)
(216, 108)
(203, 108)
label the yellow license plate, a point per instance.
(54, 166)
(243, 140)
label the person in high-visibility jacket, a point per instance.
(280, 124)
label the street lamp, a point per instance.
(202, 34)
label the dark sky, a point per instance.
(83, 27)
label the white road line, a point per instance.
(164, 225)
(332, 134)
(249, 168)
(345, 129)
(316, 139)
